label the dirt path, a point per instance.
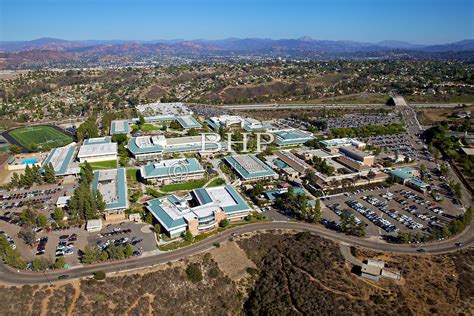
(313, 279)
(44, 304)
(77, 293)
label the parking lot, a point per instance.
(139, 235)
(386, 211)
(15, 200)
(402, 144)
(359, 120)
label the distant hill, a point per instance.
(462, 46)
(46, 50)
(399, 45)
(231, 44)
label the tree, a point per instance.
(58, 214)
(84, 203)
(116, 252)
(27, 235)
(15, 180)
(89, 255)
(100, 275)
(59, 263)
(224, 223)
(148, 218)
(28, 217)
(194, 273)
(10, 256)
(317, 211)
(49, 174)
(187, 236)
(41, 220)
(39, 264)
(100, 201)
(104, 256)
(128, 251)
(157, 229)
(87, 174)
(141, 120)
(193, 132)
(15, 149)
(88, 129)
(403, 237)
(456, 187)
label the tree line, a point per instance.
(34, 175)
(85, 203)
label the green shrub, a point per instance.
(194, 273)
(99, 275)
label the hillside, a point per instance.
(293, 274)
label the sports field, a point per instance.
(40, 135)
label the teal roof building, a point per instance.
(288, 137)
(250, 168)
(112, 184)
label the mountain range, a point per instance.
(60, 53)
(229, 44)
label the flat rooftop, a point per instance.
(342, 142)
(100, 149)
(171, 168)
(359, 153)
(172, 211)
(98, 140)
(249, 166)
(112, 184)
(61, 159)
(291, 136)
(119, 127)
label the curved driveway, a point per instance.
(9, 276)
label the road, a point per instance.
(9, 276)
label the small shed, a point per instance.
(94, 225)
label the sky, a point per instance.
(416, 21)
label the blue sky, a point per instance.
(418, 21)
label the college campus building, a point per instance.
(98, 149)
(172, 170)
(123, 126)
(250, 168)
(293, 161)
(409, 177)
(119, 127)
(186, 121)
(358, 155)
(62, 160)
(291, 136)
(153, 147)
(112, 184)
(229, 121)
(333, 145)
(199, 212)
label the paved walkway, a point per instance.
(346, 253)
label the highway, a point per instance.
(13, 277)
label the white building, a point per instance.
(98, 149)
(94, 225)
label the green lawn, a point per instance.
(190, 185)
(109, 164)
(132, 174)
(148, 127)
(40, 135)
(216, 182)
